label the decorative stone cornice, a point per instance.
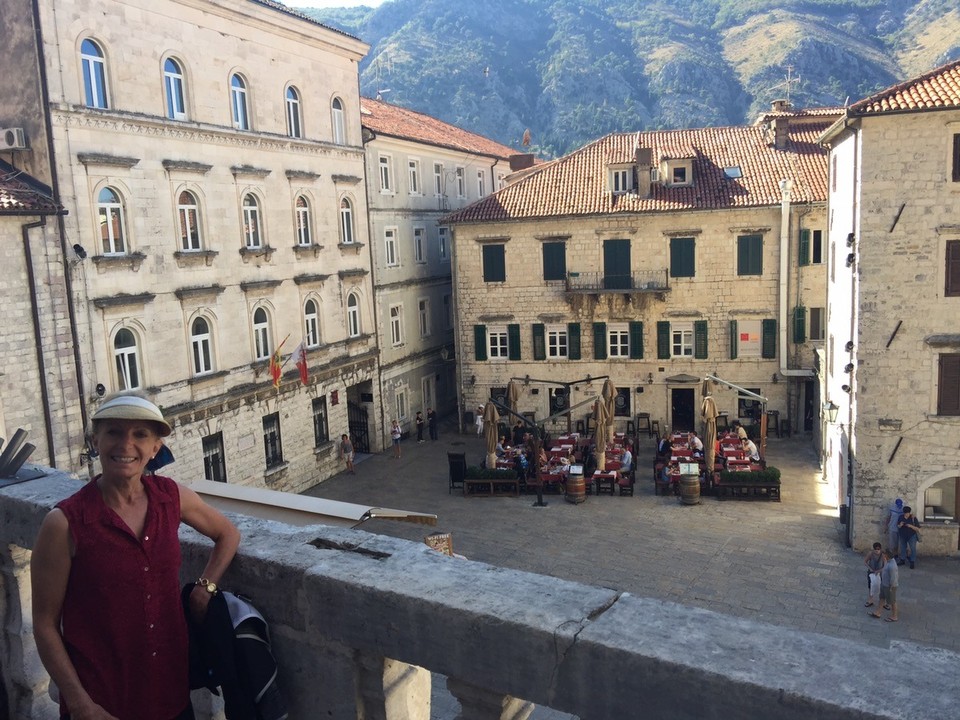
(301, 175)
(249, 171)
(943, 340)
(353, 272)
(346, 179)
(107, 160)
(309, 279)
(123, 300)
(187, 166)
(197, 291)
(259, 285)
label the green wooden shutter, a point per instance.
(599, 341)
(513, 342)
(734, 340)
(554, 261)
(799, 324)
(768, 344)
(636, 341)
(480, 342)
(494, 263)
(539, 342)
(804, 247)
(663, 339)
(700, 339)
(573, 341)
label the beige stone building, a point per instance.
(418, 169)
(893, 360)
(204, 151)
(654, 258)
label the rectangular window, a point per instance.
(618, 342)
(818, 323)
(816, 248)
(557, 342)
(494, 263)
(679, 176)
(214, 465)
(682, 257)
(396, 325)
(418, 254)
(413, 176)
(461, 182)
(390, 254)
(400, 398)
(442, 241)
(386, 178)
(955, 175)
(948, 386)
(423, 314)
(272, 447)
(438, 179)
(321, 431)
(621, 180)
(447, 312)
(481, 184)
(952, 285)
(750, 255)
(497, 343)
(681, 340)
(554, 261)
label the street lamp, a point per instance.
(831, 410)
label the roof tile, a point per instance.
(936, 90)
(20, 194)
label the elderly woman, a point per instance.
(107, 615)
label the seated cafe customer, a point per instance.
(695, 443)
(500, 449)
(750, 449)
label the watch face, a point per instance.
(211, 588)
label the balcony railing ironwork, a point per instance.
(645, 281)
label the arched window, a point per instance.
(126, 355)
(238, 103)
(304, 236)
(346, 222)
(173, 86)
(94, 75)
(294, 126)
(201, 344)
(112, 227)
(353, 315)
(252, 237)
(311, 323)
(261, 334)
(188, 215)
(336, 114)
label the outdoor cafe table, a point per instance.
(604, 481)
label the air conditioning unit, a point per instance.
(12, 139)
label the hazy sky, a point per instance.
(330, 3)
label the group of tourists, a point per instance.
(883, 565)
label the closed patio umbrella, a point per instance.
(609, 398)
(708, 409)
(513, 395)
(491, 419)
(600, 433)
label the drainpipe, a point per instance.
(786, 186)
(35, 314)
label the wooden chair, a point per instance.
(458, 468)
(643, 424)
(626, 481)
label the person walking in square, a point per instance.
(874, 562)
(893, 516)
(346, 452)
(909, 528)
(420, 423)
(432, 423)
(395, 433)
(889, 581)
(478, 420)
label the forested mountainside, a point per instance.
(571, 71)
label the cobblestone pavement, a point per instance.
(782, 563)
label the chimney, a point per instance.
(643, 160)
(780, 127)
(521, 162)
(781, 106)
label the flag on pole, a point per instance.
(299, 356)
(276, 367)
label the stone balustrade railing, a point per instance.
(359, 622)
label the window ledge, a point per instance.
(350, 246)
(200, 379)
(189, 258)
(301, 250)
(266, 251)
(133, 260)
(358, 339)
(272, 474)
(325, 448)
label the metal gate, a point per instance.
(357, 424)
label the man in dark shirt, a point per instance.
(432, 423)
(909, 528)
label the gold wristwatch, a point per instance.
(210, 587)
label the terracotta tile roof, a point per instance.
(577, 185)
(938, 89)
(394, 121)
(20, 194)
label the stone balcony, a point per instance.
(361, 621)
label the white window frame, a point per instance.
(413, 177)
(423, 316)
(252, 227)
(127, 361)
(396, 325)
(384, 163)
(400, 403)
(239, 105)
(337, 122)
(353, 315)
(346, 221)
(419, 238)
(110, 215)
(461, 174)
(94, 68)
(557, 342)
(201, 346)
(262, 349)
(174, 87)
(391, 253)
(681, 340)
(618, 341)
(443, 244)
(188, 216)
(438, 179)
(294, 114)
(501, 181)
(311, 323)
(823, 324)
(302, 212)
(481, 184)
(498, 344)
(621, 180)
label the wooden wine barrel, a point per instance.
(690, 489)
(576, 490)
